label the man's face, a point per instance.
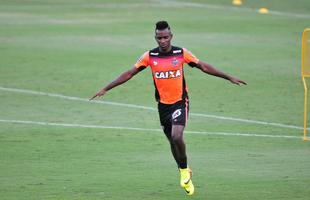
(163, 39)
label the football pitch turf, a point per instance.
(243, 143)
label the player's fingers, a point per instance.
(235, 82)
(244, 83)
(239, 83)
(93, 97)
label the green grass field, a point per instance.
(48, 149)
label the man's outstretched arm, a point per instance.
(118, 81)
(209, 69)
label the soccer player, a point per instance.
(166, 62)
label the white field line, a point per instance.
(175, 3)
(143, 129)
(168, 4)
(147, 108)
(73, 98)
(249, 121)
(180, 4)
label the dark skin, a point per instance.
(163, 39)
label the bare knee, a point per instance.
(177, 133)
(176, 137)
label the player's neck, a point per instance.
(165, 50)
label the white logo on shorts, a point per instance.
(176, 113)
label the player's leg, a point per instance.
(179, 114)
(179, 119)
(165, 112)
(185, 172)
(177, 143)
(173, 120)
(167, 130)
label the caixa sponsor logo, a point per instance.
(168, 74)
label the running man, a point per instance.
(166, 62)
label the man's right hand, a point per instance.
(98, 94)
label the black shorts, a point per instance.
(174, 114)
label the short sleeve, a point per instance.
(143, 60)
(189, 58)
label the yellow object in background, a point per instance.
(237, 2)
(263, 11)
(305, 73)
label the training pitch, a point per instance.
(243, 143)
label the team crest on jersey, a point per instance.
(168, 74)
(175, 62)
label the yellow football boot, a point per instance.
(186, 182)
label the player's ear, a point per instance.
(155, 37)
